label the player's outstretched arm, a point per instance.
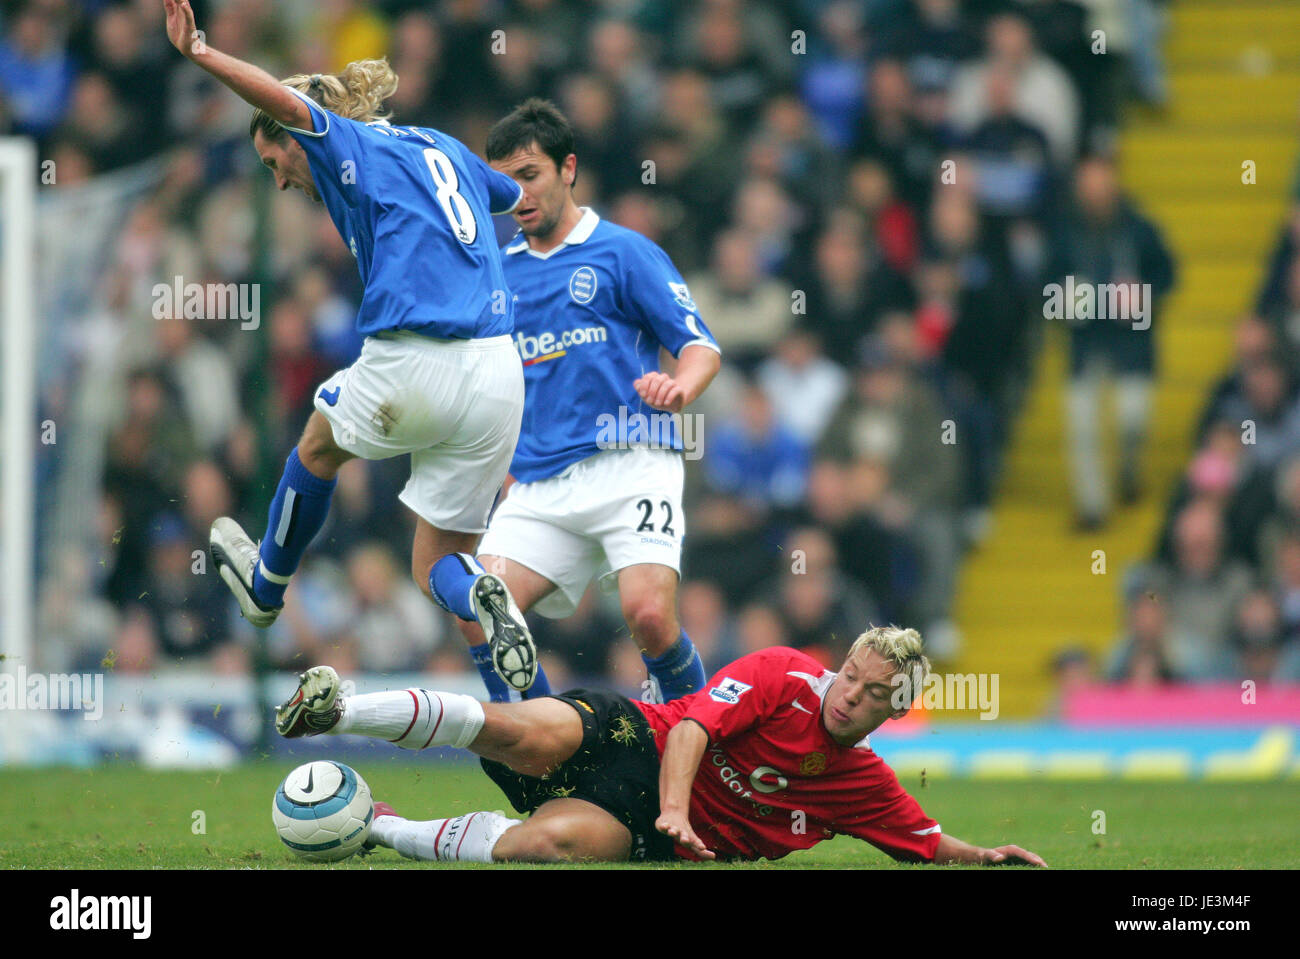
(696, 368)
(682, 754)
(253, 84)
(954, 850)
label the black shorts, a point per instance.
(615, 768)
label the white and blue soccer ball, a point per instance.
(323, 811)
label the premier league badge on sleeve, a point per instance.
(729, 691)
(683, 296)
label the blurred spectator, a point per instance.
(1062, 31)
(804, 387)
(891, 222)
(620, 54)
(974, 314)
(416, 54)
(755, 458)
(759, 627)
(850, 504)
(296, 368)
(788, 148)
(822, 609)
(1071, 670)
(728, 545)
(202, 376)
(764, 209)
(127, 56)
(1199, 589)
(1013, 164)
(1278, 300)
(467, 27)
(894, 419)
(393, 627)
(205, 496)
(1146, 24)
(848, 286)
(1285, 564)
(833, 82)
(1110, 247)
(110, 135)
(1254, 340)
(740, 50)
(1043, 93)
(891, 133)
(186, 605)
(599, 134)
(1146, 653)
(1257, 636)
(36, 72)
(1272, 514)
(76, 622)
(747, 312)
(1264, 403)
(932, 38)
(1218, 475)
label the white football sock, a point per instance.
(468, 838)
(413, 718)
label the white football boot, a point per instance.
(514, 655)
(314, 707)
(235, 556)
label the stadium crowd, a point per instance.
(866, 198)
(1220, 597)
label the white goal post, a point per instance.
(18, 399)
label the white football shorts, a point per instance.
(454, 405)
(616, 509)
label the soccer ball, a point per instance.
(323, 811)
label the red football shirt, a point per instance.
(772, 780)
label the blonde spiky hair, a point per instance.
(899, 646)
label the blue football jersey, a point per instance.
(590, 317)
(414, 205)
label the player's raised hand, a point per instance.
(181, 28)
(661, 391)
(677, 827)
(1012, 856)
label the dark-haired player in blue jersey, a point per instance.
(598, 468)
(437, 378)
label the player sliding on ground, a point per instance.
(770, 757)
(599, 460)
(437, 377)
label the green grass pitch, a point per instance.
(124, 817)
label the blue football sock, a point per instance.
(302, 500)
(680, 671)
(451, 580)
(497, 689)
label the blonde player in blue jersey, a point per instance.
(598, 467)
(438, 377)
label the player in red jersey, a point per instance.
(772, 756)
